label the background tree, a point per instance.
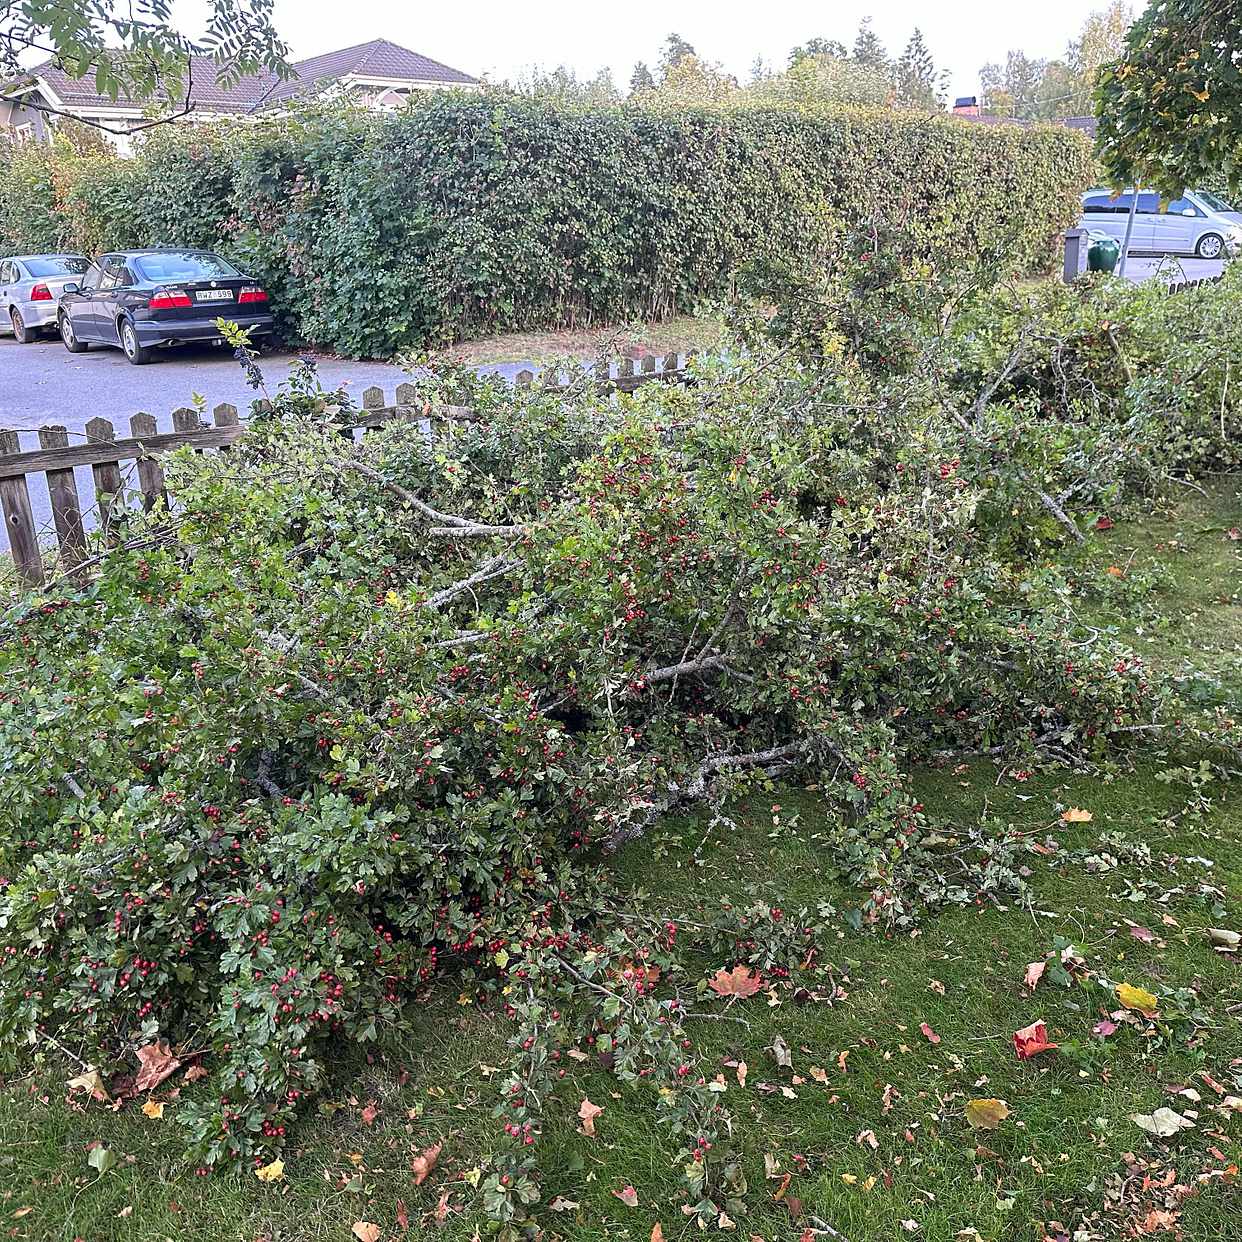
(641, 79)
(1170, 109)
(1013, 89)
(692, 83)
(833, 48)
(868, 50)
(916, 82)
(817, 81)
(675, 50)
(1101, 41)
(132, 50)
(562, 85)
(1059, 92)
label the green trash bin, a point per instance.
(1103, 255)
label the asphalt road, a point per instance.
(42, 384)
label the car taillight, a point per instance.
(252, 293)
(40, 293)
(169, 299)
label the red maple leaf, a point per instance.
(740, 981)
(1031, 1040)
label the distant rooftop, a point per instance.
(378, 59)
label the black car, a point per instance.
(142, 299)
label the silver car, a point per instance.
(30, 287)
(1199, 223)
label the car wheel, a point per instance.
(23, 334)
(137, 353)
(1211, 246)
(72, 344)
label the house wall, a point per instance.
(29, 123)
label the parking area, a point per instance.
(1147, 267)
(43, 384)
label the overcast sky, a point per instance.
(502, 39)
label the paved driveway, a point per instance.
(1144, 267)
(43, 384)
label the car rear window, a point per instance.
(58, 265)
(176, 265)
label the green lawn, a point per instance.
(876, 1140)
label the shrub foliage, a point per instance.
(468, 215)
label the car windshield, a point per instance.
(181, 265)
(57, 265)
(1214, 202)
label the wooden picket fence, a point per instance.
(1180, 286)
(106, 453)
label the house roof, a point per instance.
(379, 58)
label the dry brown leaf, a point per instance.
(157, 1062)
(741, 1073)
(657, 1232)
(1076, 815)
(195, 1072)
(587, 1112)
(424, 1163)
(365, 1231)
(370, 1113)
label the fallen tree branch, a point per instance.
(497, 567)
(450, 524)
(713, 766)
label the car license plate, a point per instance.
(214, 295)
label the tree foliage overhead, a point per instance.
(132, 50)
(1028, 88)
(1170, 109)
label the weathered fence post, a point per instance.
(150, 473)
(107, 474)
(62, 490)
(18, 520)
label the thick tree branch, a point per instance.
(451, 524)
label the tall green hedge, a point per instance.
(474, 214)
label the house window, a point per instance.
(25, 133)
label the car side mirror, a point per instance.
(1189, 211)
(71, 286)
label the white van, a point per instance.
(1198, 223)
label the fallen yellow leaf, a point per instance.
(986, 1114)
(90, 1081)
(1076, 815)
(153, 1110)
(271, 1172)
(1137, 998)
